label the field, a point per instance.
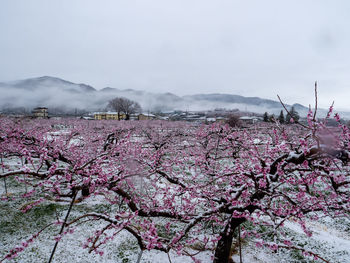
(176, 192)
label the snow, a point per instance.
(293, 156)
(121, 249)
(330, 239)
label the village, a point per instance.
(206, 117)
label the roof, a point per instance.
(106, 112)
(40, 108)
(148, 114)
(248, 118)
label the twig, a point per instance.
(24, 177)
(285, 108)
(2, 168)
(63, 225)
(93, 243)
(314, 118)
(239, 243)
(28, 241)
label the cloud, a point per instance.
(251, 48)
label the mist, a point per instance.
(62, 96)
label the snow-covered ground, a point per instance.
(16, 227)
(330, 239)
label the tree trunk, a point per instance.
(223, 248)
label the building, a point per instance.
(109, 115)
(146, 116)
(210, 120)
(221, 119)
(40, 113)
(249, 119)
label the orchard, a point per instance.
(179, 187)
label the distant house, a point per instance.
(249, 119)
(146, 116)
(164, 118)
(40, 113)
(134, 117)
(211, 120)
(215, 119)
(86, 118)
(109, 115)
(221, 119)
(192, 117)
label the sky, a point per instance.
(251, 48)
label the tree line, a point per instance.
(291, 117)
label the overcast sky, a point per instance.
(250, 48)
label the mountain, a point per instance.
(109, 89)
(228, 98)
(50, 82)
(62, 95)
(234, 99)
(46, 91)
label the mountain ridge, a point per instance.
(56, 92)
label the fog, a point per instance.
(61, 95)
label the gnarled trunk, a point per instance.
(223, 248)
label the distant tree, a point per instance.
(234, 121)
(124, 106)
(281, 117)
(293, 114)
(272, 118)
(266, 117)
(130, 107)
(115, 104)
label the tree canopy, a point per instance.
(281, 117)
(124, 106)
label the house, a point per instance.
(134, 117)
(250, 119)
(86, 118)
(40, 113)
(146, 116)
(109, 115)
(221, 119)
(211, 120)
(192, 117)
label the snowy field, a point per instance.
(330, 239)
